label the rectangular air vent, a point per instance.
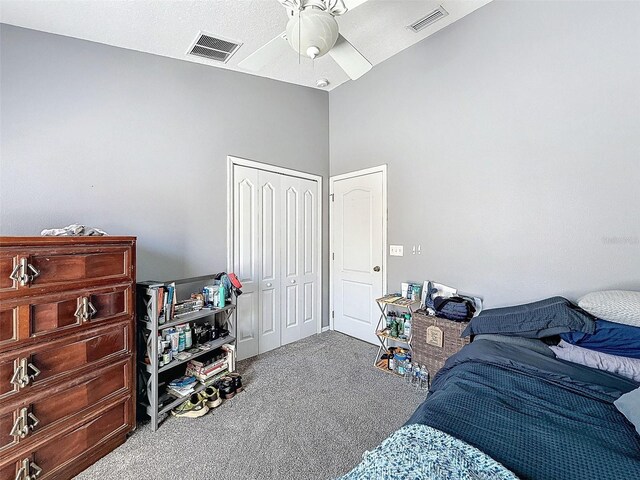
(428, 19)
(213, 48)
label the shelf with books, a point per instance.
(159, 299)
(213, 345)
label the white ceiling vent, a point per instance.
(428, 19)
(213, 48)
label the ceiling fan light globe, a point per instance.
(312, 30)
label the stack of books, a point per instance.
(205, 371)
(182, 386)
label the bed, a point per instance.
(501, 411)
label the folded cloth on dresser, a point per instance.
(540, 417)
(421, 452)
(73, 230)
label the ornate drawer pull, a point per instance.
(21, 376)
(24, 473)
(85, 310)
(24, 273)
(31, 367)
(15, 273)
(24, 424)
(91, 310)
(19, 429)
(18, 378)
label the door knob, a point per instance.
(293, 280)
(376, 268)
(268, 284)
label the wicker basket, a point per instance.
(430, 355)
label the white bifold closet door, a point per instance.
(275, 257)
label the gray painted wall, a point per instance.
(137, 144)
(513, 144)
(518, 128)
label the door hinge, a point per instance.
(333, 256)
(332, 197)
(333, 314)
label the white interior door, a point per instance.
(270, 252)
(275, 255)
(309, 267)
(357, 229)
(299, 254)
(246, 257)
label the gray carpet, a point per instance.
(309, 411)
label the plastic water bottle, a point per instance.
(408, 372)
(181, 341)
(221, 296)
(188, 340)
(424, 378)
(407, 326)
(415, 380)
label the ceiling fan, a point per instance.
(312, 31)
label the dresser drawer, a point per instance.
(39, 269)
(62, 454)
(54, 409)
(7, 420)
(28, 319)
(8, 260)
(57, 360)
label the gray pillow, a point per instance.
(617, 306)
(544, 318)
(629, 405)
(534, 344)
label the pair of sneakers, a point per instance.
(229, 385)
(198, 404)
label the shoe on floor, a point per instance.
(193, 408)
(211, 397)
(226, 386)
(237, 381)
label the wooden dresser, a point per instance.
(67, 353)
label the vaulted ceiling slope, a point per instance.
(377, 28)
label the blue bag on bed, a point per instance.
(457, 309)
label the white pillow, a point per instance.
(629, 405)
(617, 306)
(624, 366)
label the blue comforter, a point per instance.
(540, 417)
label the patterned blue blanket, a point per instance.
(421, 452)
(540, 417)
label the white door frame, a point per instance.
(332, 180)
(231, 161)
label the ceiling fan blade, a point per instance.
(351, 4)
(349, 59)
(266, 54)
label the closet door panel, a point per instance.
(291, 247)
(269, 261)
(246, 261)
(309, 258)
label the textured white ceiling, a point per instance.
(377, 28)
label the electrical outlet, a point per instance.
(396, 250)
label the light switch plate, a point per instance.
(396, 250)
